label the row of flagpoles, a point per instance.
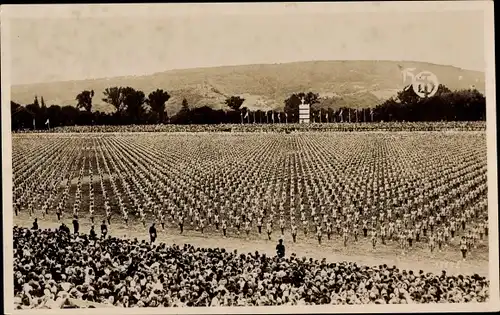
(315, 117)
(47, 123)
(21, 108)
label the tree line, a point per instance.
(134, 107)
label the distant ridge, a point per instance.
(353, 83)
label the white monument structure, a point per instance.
(304, 113)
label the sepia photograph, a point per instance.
(249, 158)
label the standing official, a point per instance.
(280, 249)
(152, 233)
(76, 225)
(104, 229)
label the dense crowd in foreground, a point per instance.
(51, 266)
(345, 126)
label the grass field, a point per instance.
(244, 173)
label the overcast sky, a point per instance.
(51, 48)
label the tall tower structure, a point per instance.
(304, 112)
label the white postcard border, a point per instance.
(146, 10)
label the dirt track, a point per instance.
(361, 252)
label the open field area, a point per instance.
(331, 180)
(360, 252)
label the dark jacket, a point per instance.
(152, 231)
(280, 250)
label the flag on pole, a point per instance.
(246, 115)
(341, 116)
(371, 113)
(279, 118)
(47, 122)
(254, 117)
(272, 116)
(34, 125)
(326, 117)
(286, 118)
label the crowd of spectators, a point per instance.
(378, 126)
(52, 266)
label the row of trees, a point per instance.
(133, 107)
(129, 103)
(445, 105)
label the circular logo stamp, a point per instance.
(425, 84)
